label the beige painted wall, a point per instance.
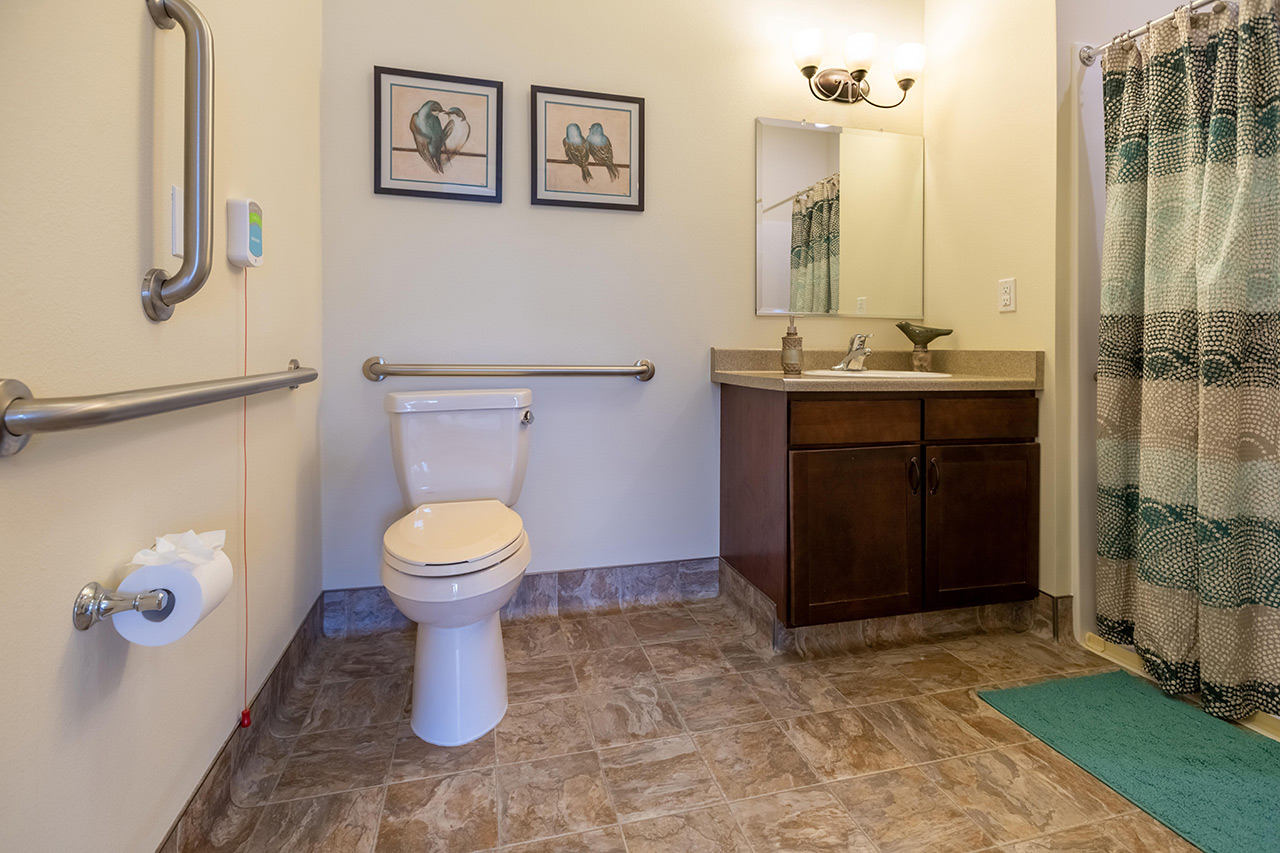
(620, 472)
(990, 168)
(106, 740)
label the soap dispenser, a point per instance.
(792, 350)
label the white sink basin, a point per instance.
(876, 374)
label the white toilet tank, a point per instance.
(460, 445)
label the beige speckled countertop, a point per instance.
(971, 370)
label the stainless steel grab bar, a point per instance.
(20, 415)
(375, 370)
(160, 291)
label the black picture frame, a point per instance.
(408, 160)
(551, 180)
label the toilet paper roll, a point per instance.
(197, 590)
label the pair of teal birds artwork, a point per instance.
(439, 133)
(595, 148)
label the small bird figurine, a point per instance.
(601, 149)
(575, 148)
(428, 134)
(456, 132)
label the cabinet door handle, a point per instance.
(935, 478)
(913, 475)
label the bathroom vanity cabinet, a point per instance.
(855, 505)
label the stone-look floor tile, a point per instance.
(1086, 791)
(335, 613)
(445, 814)
(528, 640)
(1082, 839)
(687, 660)
(338, 823)
(840, 744)
(750, 652)
(932, 669)
(657, 777)
(291, 712)
(331, 762)
(543, 729)
(371, 611)
(665, 626)
(982, 718)
(613, 669)
(863, 682)
(940, 625)
(607, 840)
(888, 632)
(540, 678)
(1139, 832)
(552, 796)
(719, 618)
(996, 660)
(709, 830)
(711, 703)
(258, 760)
(923, 729)
(789, 691)
(372, 656)
(416, 759)
(170, 843)
(598, 632)
(809, 821)
(752, 760)
(632, 715)
(1061, 657)
(535, 599)
(355, 704)
(647, 587)
(587, 591)
(1001, 796)
(903, 811)
(1010, 616)
(213, 823)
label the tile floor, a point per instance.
(678, 730)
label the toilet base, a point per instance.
(459, 682)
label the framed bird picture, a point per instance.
(587, 149)
(436, 136)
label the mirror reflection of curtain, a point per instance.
(815, 248)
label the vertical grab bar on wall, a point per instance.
(160, 291)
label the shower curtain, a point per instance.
(815, 248)
(1188, 568)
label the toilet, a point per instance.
(456, 558)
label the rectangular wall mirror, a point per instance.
(839, 221)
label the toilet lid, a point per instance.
(456, 534)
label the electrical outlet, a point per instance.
(1007, 295)
(175, 221)
(862, 304)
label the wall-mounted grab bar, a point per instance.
(20, 415)
(160, 291)
(375, 370)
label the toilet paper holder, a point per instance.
(95, 603)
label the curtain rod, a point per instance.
(798, 193)
(1089, 53)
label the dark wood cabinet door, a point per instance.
(855, 533)
(982, 524)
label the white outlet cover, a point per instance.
(1007, 295)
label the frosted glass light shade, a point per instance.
(860, 51)
(807, 46)
(908, 61)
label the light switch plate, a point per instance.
(1007, 295)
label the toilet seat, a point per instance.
(453, 538)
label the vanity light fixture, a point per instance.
(849, 84)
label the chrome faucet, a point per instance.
(856, 356)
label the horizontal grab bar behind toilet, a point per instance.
(375, 370)
(21, 415)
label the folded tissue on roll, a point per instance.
(189, 565)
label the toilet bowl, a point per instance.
(450, 567)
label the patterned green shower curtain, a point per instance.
(1189, 366)
(815, 249)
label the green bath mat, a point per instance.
(1214, 783)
